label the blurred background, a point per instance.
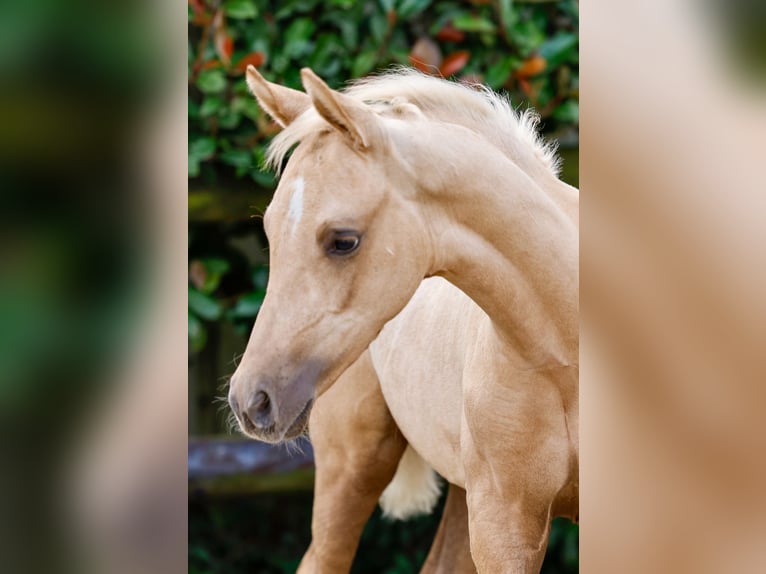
(250, 504)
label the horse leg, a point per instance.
(357, 447)
(450, 552)
(517, 460)
(506, 538)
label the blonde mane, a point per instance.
(475, 107)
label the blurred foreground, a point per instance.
(92, 283)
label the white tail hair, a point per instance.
(414, 489)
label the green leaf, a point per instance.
(263, 178)
(211, 81)
(280, 63)
(297, 37)
(349, 33)
(508, 16)
(363, 63)
(229, 119)
(559, 49)
(210, 106)
(527, 35)
(197, 334)
(489, 39)
(259, 153)
(409, 8)
(469, 23)
(261, 277)
(215, 269)
(201, 149)
(193, 108)
(568, 112)
(546, 93)
(204, 305)
(193, 167)
(326, 57)
(240, 9)
(403, 564)
(378, 26)
(248, 305)
(571, 550)
(290, 8)
(238, 158)
(498, 73)
(556, 533)
(246, 106)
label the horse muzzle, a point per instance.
(274, 412)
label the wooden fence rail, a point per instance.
(238, 466)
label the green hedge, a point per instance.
(526, 48)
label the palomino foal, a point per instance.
(405, 177)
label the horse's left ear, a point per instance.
(282, 104)
(342, 112)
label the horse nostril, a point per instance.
(259, 410)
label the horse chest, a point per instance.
(421, 377)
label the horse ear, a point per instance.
(282, 104)
(342, 112)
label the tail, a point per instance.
(414, 489)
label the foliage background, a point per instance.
(528, 49)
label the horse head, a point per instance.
(348, 248)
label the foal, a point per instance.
(401, 178)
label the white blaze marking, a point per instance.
(295, 211)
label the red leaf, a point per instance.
(450, 34)
(455, 62)
(391, 16)
(197, 273)
(224, 45)
(197, 7)
(527, 88)
(252, 59)
(420, 65)
(210, 64)
(201, 20)
(531, 67)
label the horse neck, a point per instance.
(506, 238)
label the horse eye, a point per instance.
(343, 245)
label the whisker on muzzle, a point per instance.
(297, 445)
(236, 359)
(232, 423)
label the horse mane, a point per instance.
(475, 106)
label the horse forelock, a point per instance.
(474, 106)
